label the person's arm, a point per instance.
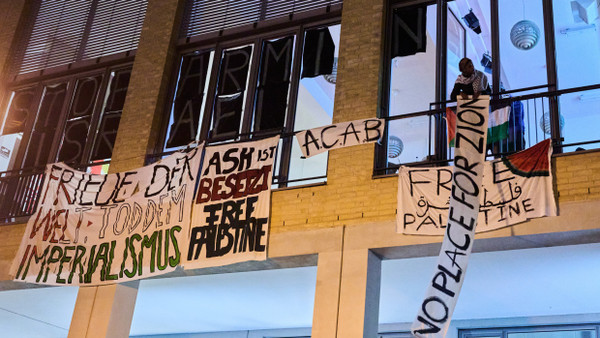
(455, 92)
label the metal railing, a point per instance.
(20, 190)
(533, 118)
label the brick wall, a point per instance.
(149, 85)
(577, 176)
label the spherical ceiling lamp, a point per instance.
(395, 146)
(545, 122)
(525, 34)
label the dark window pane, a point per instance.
(319, 51)
(409, 34)
(40, 145)
(228, 112)
(234, 71)
(231, 91)
(75, 136)
(50, 108)
(19, 111)
(107, 134)
(118, 91)
(85, 96)
(42, 137)
(274, 83)
(187, 104)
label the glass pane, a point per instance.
(471, 18)
(409, 140)
(522, 46)
(555, 334)
(48, 116)
(577, 41)
(579, 118)
(19, 110)
(79, 117)
(412, 77)
(314, 108)
(111, 115)
(232, 88)
(273, 84)
(188, 105)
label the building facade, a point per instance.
(338, 213)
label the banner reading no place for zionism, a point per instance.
(436, 310)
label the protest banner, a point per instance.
(515, 188)
(345, 134)
(435, 313)
(99, 229)
(230, 218)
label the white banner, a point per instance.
(100, 229)
(436, 309)
(230, 220)
(515, 189)
(345, 134)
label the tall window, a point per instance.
(56, 111)
(524, 57)
(239, 88)
(74, 120)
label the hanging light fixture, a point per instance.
(545, 122)
(472, 21)
(525, 34)
(395, 146)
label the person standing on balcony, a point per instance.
(470, 81)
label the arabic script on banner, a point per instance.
(515, 189)
(230, 220)
(99, 229)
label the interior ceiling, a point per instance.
(545, 281)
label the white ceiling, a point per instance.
(532, 282)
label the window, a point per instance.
(547, 72)
(550, 331)
(72, 120)
(239, 88)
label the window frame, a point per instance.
(70, 78)
(440, 153)
(504, 331)
(235, 37)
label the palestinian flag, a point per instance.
(498, 125)
(451, 125)
(533, 161)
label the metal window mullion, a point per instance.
(252, 83)
(496, 62)
(64, 112)
(97, 113)
(286, 146)
(211, 93)
(440, 80)
(551, 74)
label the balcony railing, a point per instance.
(534, 117)
(20, 190)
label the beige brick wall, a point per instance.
(577, 176)
(148, 88)
(12, 16)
